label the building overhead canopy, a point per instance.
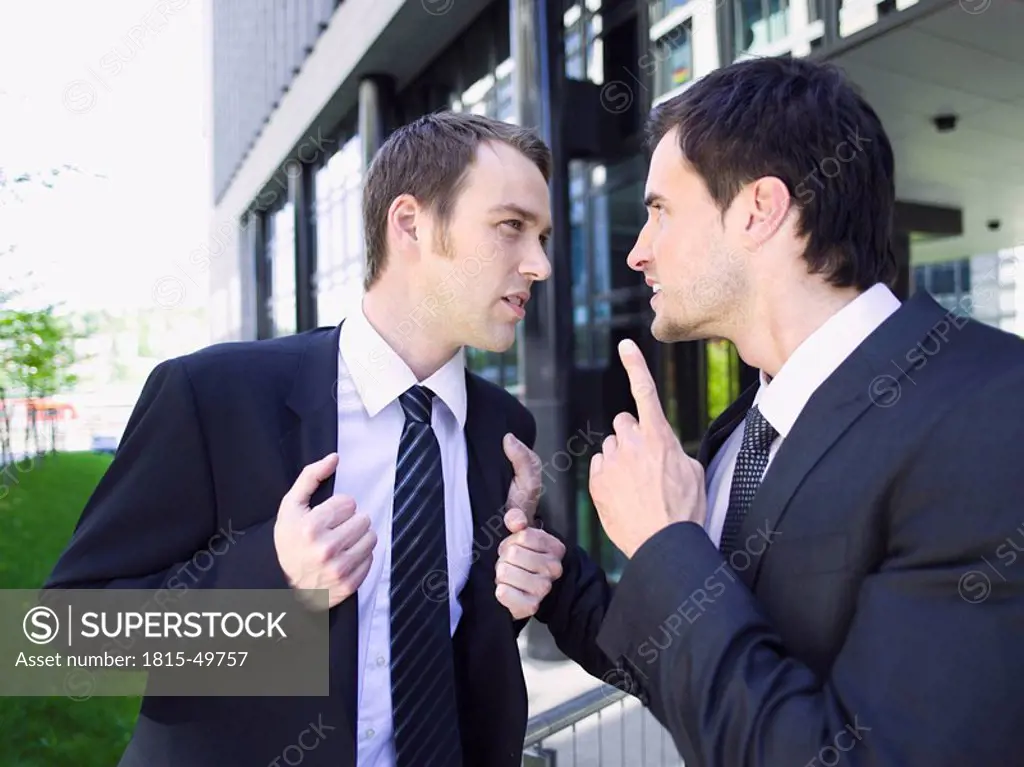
(961, 59)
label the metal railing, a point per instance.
(583, 732)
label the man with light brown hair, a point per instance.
(425, 457)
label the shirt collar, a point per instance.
(380, 375)
(782, 398)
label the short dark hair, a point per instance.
(429, 159)
(804, 123)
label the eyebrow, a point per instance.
(523, 213)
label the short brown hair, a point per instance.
(428, 159)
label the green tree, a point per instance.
(722, 377)
(39, 352)
(37, 348)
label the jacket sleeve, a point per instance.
(925, 675)
(575, 607)
(573, 612)
(152, 521)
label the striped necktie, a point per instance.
(426, 724)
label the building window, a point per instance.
(581, 267)
(605, 216)
(591, 260)
(584, 52)
(492, 95)
(759, 23)
(281, 305)
(973, 287)
(674, 58)
(920, 280)
(339, 227)
(504, 91)
(662, 9)
(942, 281)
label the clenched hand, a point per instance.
(529, 562)
(327, 547)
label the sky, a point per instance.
(118, 89)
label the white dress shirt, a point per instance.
(371, 376)
(783, 398)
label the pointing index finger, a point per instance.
(641, 384)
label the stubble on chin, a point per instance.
(704, 306)
(670, 331)
(679, 317)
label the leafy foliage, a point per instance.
(37, 347)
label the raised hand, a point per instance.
(643, 481)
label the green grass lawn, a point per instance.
(38, 512)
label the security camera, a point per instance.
(945, 123)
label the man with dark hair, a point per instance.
(362, 459)
(833, 579)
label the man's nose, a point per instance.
(536, 266)
(640, 256)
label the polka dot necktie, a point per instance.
(751, 462)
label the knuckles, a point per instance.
(503, 594)
(555, 570)
(541, 588)
(623, 422)
(361, 522)
(307, 530)
(341, 568)
(512, 556)
(322, 553)
(502, 571)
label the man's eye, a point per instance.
(514, 223)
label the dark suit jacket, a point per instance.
(874, 609)
(215, 441)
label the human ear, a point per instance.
(403, 218)
(769, 204)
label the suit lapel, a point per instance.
(488, 467)
(829, 413)
(484, 640)
(313, 400)
(833, 408)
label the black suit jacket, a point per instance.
(215, 441)
(874, 609)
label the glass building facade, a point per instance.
(280, 253)
(337, 209)
(984, 287)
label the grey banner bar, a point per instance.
(203, 642)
